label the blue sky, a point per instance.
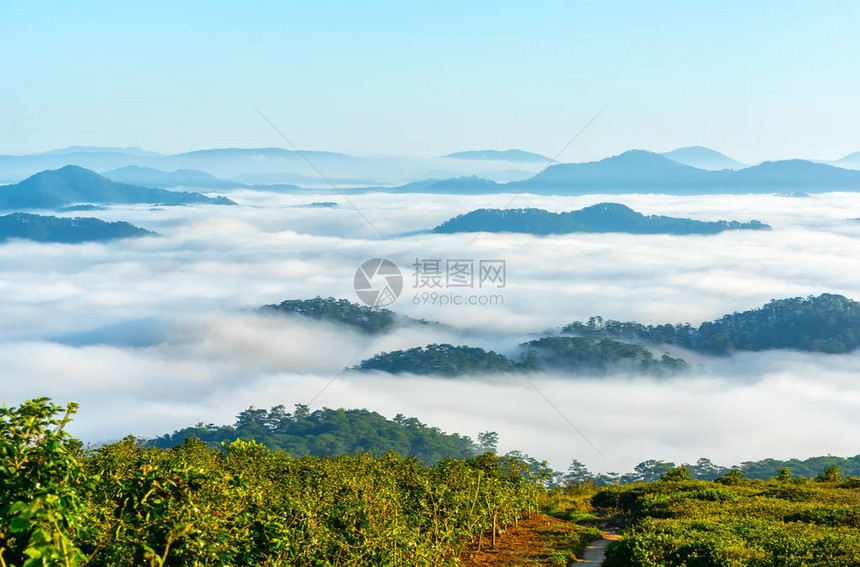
(757, 80)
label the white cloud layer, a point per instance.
(157, 333)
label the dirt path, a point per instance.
(595, 553)
(539, 540)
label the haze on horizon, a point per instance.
(756, 81)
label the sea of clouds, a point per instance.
(157, 333)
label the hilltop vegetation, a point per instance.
(241, 503)
(441, 360)
(603, 217)
(705, 469)
(733, 522)
(573, 355)
(806, 468)
(373, 320)
(600, 355)
(65, 230)
(827, 323)
(125, 505)
(329, 432)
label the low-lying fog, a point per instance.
(154, 334)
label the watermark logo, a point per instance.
(458, 272)
(378, 282)
(436, 281)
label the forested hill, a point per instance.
(827, 323)
(442, 360)
(72, 184)
(599, 355)
(328, 432)
(65, 230)
(804, 468)
(705, 469)
(567, 355)
(603, 217)
(371, 320)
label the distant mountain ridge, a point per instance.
(470, 184)
(130, 150)
(266, 152)
(636, 171)
(640, 171)
(72, 184)
(851, 161)
(603, 217)
(499, 155)
(65, 230)
(257, 179)
(703, 158)
(151, 177)
(220, 162)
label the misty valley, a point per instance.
(429, 284)
(637, 345)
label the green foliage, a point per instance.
(373, 320)
(652, 470)
(40, 480)
(441, 360)
(732, 477)
(488, 441)
(784, 475)
(568, 354)
(577, 474)
(807, 468)
(61, 229)
(827, 323)
(328, 432)
(128, 505)
(702, 523)
(572, 503)
(831, 473)
(677, 474)
(602, 217)
(593, 354)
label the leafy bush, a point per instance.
(242, 504)
(703, 523)
(40, 482)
